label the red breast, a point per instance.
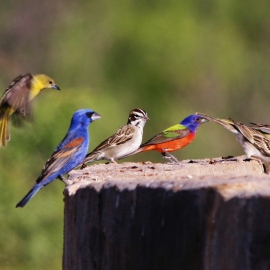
(171, 145)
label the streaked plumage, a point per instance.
(173, 138)
(125, 141)
(68, 155)
(254, 139)
(16, 99)
(264, 128)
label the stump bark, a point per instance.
(211, 214)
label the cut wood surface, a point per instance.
(200, 214)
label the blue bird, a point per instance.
(68, 155)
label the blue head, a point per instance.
(82, 118)
(193, 121)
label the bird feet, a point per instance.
(172, 159)
(83, 166)
(66, 181)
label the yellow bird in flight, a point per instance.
(16, 99)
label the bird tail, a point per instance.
(91, 157)
(139, 150)
(28, 196)
(144, 149)
(4, 129)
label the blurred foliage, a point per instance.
(171, 58)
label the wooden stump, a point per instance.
(157, 216)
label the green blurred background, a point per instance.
(171, 58)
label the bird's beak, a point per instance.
(146, 118)
(204, 120)
(95, 116)
(54, 86)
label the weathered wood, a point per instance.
(158, 216)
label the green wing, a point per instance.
(172, 133)
(176, 131)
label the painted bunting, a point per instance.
(174, 138)
(125, 141)
(16, 100)
(68, 154)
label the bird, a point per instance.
(68, 155)
(173, 138)
(264, 128)
(254, 139)
(16, 99)
(123, 142)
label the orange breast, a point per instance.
(170, 146)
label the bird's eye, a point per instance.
(89, 114)
(197, 119)
(50, 82)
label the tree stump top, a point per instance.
(230, 178)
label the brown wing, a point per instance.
(59, 158)
(247, 132)
(261, 127)
(16, 95)
(262, 143)
(122, 135)
(259, 140)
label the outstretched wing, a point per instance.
(60, 157)
(17, 95)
